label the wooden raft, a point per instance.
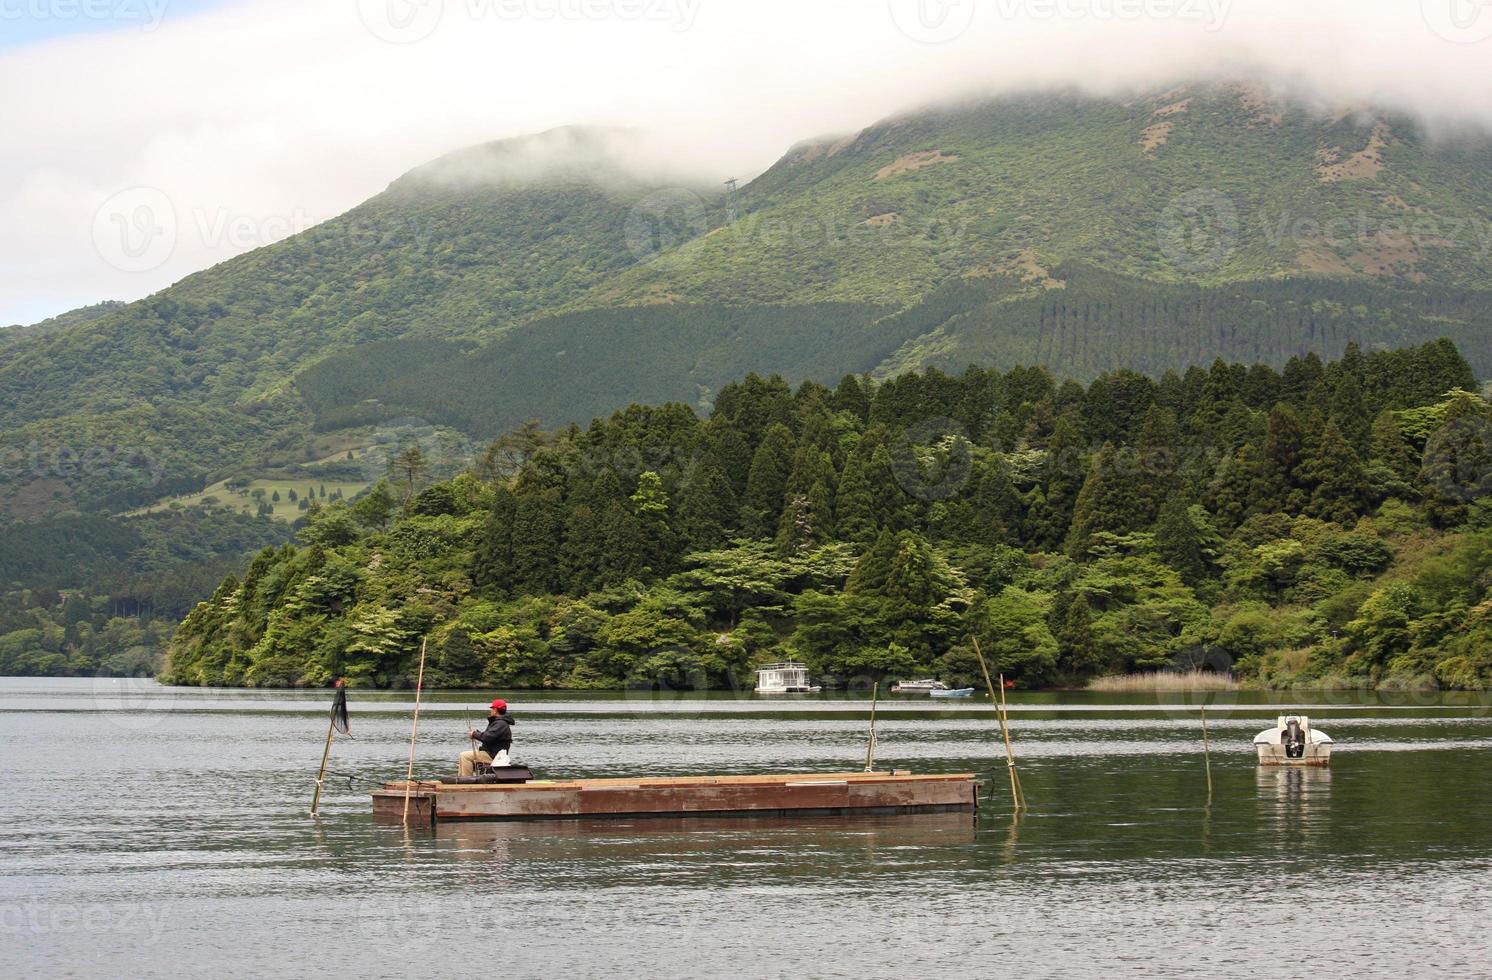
(798, 793)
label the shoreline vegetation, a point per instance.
(1164, 682)
(1328, 524)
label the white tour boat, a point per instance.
(788, 678)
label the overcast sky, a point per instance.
(146, 139)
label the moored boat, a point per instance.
(927, 686)
(956, 692)
(788, 678)
(1293, 742)
(679, 796)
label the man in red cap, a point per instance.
(495, 741)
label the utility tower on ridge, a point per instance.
(730, 200)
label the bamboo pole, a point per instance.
(1009, 751)
(1015, 786)
(419, 686)
(326, 754)
(1207, 753)
(870, 746)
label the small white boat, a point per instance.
(957, 692)
(1293, 742)
(788, 678)
(928, 686)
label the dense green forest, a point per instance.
(1095, 322)
(85, 594)
(1320, 525)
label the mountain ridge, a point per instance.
(1000, 192)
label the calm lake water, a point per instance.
(153, 831)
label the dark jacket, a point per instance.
(499, 735)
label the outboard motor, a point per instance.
(1294, 739)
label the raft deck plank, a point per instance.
(817, 793)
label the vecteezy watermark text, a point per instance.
(147, 14)
(146, 921)
(408, 21)
(62, 462)
(1201, 230)
(941, 21)
(140, 229)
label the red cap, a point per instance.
(500, 705)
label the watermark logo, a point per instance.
(1459, 21)
(932, 21)
(663, 220)
(1199, 231)
(140, 229)
(401, 21)
(1458, 459)
(136, 229)
(148, 14)
(932, 461)
(133, 703)
(441, 454)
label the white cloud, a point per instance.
(259, 118)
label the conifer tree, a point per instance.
(851, 397)
(1389, 447)
(1107, 501)
(1062, 481)
(1339, 488)
(1079, 654)
(1160, 455)
(766, 486)
(650, 505)
(724, 446)
(1185, 540)
(894, 509)
(707, 508)
(1279, 486)
(538, 527)
(1347, 404)
(492, 559)
(996, 506)
(1236, 487)
(855, 510)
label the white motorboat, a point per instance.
(1293, 742)
(788, 678)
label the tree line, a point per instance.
(1238, 517)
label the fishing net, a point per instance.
(340, 721)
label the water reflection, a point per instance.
(1295, 803)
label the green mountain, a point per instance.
(198, 376)
(83, 314)
(562, 276)
(1082, 233)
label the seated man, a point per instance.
(495, 741)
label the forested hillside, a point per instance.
(1324, 524)
(560, 277)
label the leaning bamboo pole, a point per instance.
(1009, 751)
(998, 701)
(414, 732)
(326, 754)
(1207, 753)
(870, 745)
